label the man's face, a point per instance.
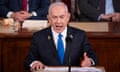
(58, 18)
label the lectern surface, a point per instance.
(73, 69)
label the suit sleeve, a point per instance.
(88, 10)
(3, 8)
(33, 53)
(40, 7)
(87, 48)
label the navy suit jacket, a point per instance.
(43, 48)
(90, 11)
(39, 6)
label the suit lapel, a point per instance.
(15, 5)
(33, 5)
(116, 5)
(68, 47)
(51, 44)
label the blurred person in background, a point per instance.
(99, 10)
(21, 10)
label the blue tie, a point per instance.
(60, 48)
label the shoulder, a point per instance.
(42, 32)
(77, 33)
(75, 30)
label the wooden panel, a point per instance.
(114, 26)
(14, 48)
(91, 26)
(0, 55)
(14, 53)
(97, 26)
(108, 51)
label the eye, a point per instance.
(54, 17)
(63, 16)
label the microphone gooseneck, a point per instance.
(69, 40)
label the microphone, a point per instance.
(69, 38)
(69, 41)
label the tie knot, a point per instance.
(60, 35)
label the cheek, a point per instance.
(51, 21)
(66, 20)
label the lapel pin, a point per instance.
(49, 37)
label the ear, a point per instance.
(68, 16)
(47, 16)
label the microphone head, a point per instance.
(69, 38)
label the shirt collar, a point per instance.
(55, 34)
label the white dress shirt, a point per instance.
(109, 7)
(55, 37)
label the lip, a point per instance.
(59, 27)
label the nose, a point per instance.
(58, 20)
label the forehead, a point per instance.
(58, 10)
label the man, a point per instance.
(44, 48)
(92, 10)
(72, 7)
(33, 9)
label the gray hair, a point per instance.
(57, 4)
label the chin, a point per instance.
(59, 31)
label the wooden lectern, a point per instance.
(73, 69)
(14, 46)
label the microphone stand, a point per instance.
(69, 66)
(69, 40)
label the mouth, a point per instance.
(58, 27)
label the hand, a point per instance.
(37, 65)
(17, 16)
(86, 62)
(106, 17)
(26, 14)
(21, 15)
(116, 17)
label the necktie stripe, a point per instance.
(24, 5)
